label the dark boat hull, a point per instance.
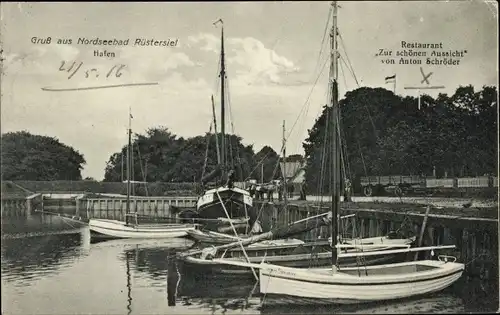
(237, 203)
(314, 254)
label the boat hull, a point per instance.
(382, 283)
(237, 203)
(113, 229)
(307, 255)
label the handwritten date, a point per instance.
(115, 71)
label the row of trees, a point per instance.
(160, 155)
(32, 157)
(386, 134)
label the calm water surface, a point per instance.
(49, 266)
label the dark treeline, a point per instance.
(161, 156)
(32, 157)
(386, 134)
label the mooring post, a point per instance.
(422, 230)
(28, 206)
(432, 239)
(465, 245)
(371, 227)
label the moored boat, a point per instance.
(226, 200)
(360, 285)
(113, 229)
(288, 252)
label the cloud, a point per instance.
(210, 42)
(259, 65)
(250, 60)
(154, 63)
(40, 59)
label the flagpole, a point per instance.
(418, 99)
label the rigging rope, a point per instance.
(142, 170)
(347, 56)
(364, 104)
(325, 31)
(306, 103)
(293, 126)
(206, 152)
(233, 130)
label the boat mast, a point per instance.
(262, 172)
(128, 161)
(222, 103)
(335, 156)
(215, 126)
(284, 166)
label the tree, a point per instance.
(32, 157)
(385, 134)
(160, 156)
(266, 165)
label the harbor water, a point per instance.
(49, 266)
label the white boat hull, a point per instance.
(102, 228)
(384, 282)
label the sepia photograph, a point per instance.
(268, 157)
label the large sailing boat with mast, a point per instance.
(103, 229)
(343, 284)
(225, 200)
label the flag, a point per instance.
(389, 79)
(131, 116)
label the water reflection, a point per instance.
(37, 225)
(129, 285)
(29, 258)
(214, 293)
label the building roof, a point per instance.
(292, 168)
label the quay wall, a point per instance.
(88, 186)
(154, 208)
(471, 188)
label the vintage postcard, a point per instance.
(249, 157)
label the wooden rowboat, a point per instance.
(113, 229)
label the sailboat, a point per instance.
(347, 285)
(102, 229)
(275, 247)
(224, 200)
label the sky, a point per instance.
(277, 65)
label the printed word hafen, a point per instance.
(104, 53)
